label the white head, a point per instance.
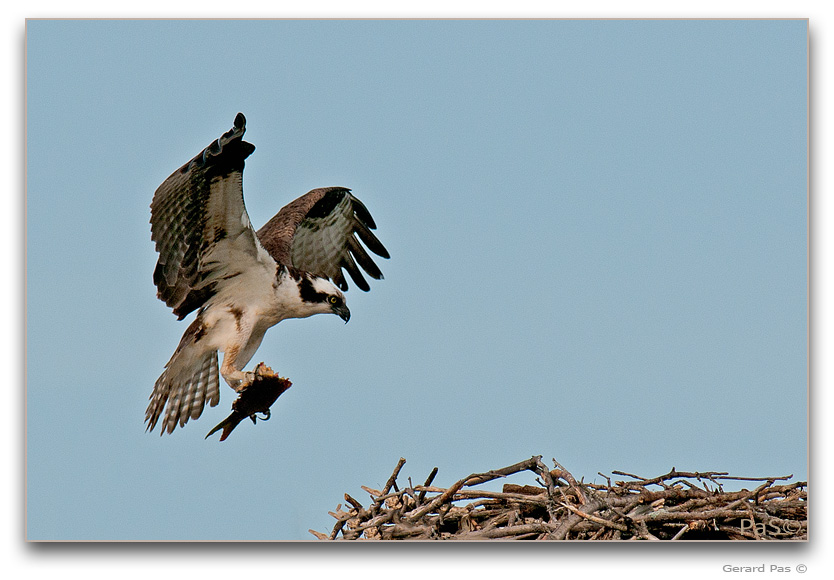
(319, 296)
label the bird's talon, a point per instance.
(248, 379)
(266, 415)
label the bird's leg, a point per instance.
(237, 379)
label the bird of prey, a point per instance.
(242, 282)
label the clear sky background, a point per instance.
(598, 240)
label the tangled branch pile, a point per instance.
(674, 506)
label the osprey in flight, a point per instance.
(242, 282)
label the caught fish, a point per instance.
(258, 397)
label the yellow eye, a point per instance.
(333, 300)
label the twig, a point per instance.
(569, 478)
(429, 479)
(596, 519)
(392, 480)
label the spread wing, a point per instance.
(320, 233)
(200, 225)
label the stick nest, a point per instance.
(675, 506)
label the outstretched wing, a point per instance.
(320, 233)
(200, 225)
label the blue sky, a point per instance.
(598, 241)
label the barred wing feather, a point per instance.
(200, 225)
(320, 232)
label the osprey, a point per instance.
(242, 282)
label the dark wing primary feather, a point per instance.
(320, 232)
(199, 223)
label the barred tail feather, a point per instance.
(184, 392)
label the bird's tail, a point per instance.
(190, 380)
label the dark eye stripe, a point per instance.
(308, 292)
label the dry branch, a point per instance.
(676, 506)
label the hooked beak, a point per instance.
(342, 311)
